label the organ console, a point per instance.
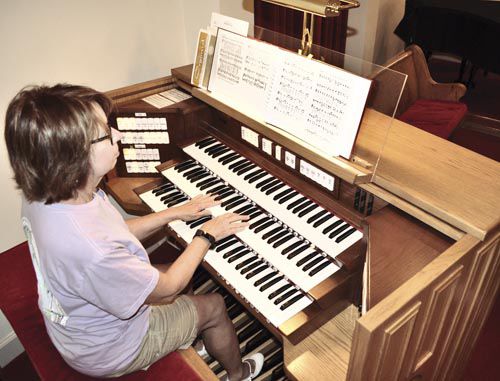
(386, 274)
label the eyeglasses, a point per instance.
(107, 136)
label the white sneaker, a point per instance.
(258, 359)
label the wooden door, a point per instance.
(426, 329)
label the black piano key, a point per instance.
(172, 198)
(270, 185)
(205, 142)
(251, 266)
(279, 291)
(191, 171)
(332, 226)
(200, 222)
(228, 155)
(264, 182)
(244, 209)
(223, 194)
(307, 258)
(241, 166)
(298, 251)
(296, 203)
(271, 232)
(283, 194)
(236, 163)
(246, 262)
(307, 210)
(313, 263)
(162, 189)
(230, 159)
(288, 197)
(237, 256)
(199, 278)
(283, 240)
(320, 267)
(256, 341)
(291, 247)
(273, 281)
(245, 169)
(220, 152)
(339, 230)
(178, 201)
(230, 200)
(265, 278)
(235, 310)
(256, 271)
(322, 220)
(233, 251)
(316, 216)
(184, 164)
(214, 188)
(257, 177)
(226, 245)
(194, 174)
(293, 300)
(300, 207)
(278, 372)
(343, 236)
(249, 331)
(285, 296)
(252, 215)
(272, 361)
(265, 225)
(275, 188)
(208, 183)
(224, 240)
(197, 178)
(216, 150)
(235, 203)
(277, 236)
(212, 148)
(259, 221)
(254, 173)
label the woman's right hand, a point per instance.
(225, 225)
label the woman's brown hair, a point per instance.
(48, 132)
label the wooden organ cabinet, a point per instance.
(429, 216)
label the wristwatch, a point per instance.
(209, 237)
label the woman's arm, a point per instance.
(144, 226)
(177, 276)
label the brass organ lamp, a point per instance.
(311, 8)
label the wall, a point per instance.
(371, 30)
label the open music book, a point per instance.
(316, 102)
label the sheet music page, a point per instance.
(290, 93)
(337, 105)
(244, 67)
(318, 103)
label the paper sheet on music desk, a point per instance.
(318, 103)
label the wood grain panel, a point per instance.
(395, 343)
(454, 184)
(437, 316)
(438, 274)
(479, 297)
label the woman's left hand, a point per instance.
(195, 208)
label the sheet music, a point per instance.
(335, 110)
(243, 66)
(290, 93)
(318, 103)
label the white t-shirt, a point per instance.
(93, 278)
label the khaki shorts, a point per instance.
(171, 327)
